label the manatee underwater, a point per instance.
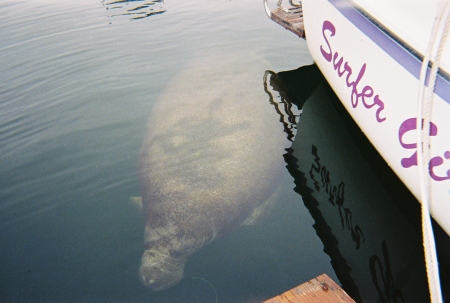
(210, 162)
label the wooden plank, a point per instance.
(321, 289)
(292, 19)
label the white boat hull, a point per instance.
(377, 80)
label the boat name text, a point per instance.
(366, 95)
(411, 125)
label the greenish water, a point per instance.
(79, 80)
(78, 83)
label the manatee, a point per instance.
(211, 158)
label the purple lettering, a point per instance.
(367, 92)
(437, 161)
(327, 26)
(380, 104)
(354, 85)
(338, 64)
(333, 57)
(406, 126)
(411, 124)
(411, 161)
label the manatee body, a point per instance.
(212, 154)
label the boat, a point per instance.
(374, 250)
(372, 53)
(388, 61)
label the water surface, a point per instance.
(79, 81)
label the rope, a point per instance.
(433, 53)
(212, 286)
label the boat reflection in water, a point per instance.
(375, 250)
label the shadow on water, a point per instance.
(367, 220)
(134, 9)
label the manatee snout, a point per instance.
(159, 271)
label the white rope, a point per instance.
(433, 53)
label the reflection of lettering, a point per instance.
(336, 197)
(366, 94)
(356, 231)
(382, 277)
(410, 125)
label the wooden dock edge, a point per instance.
(320, 289)
(291, 19)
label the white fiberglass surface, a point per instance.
(409, 20)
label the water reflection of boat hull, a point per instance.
(375, 252)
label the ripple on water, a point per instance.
(134, 9)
